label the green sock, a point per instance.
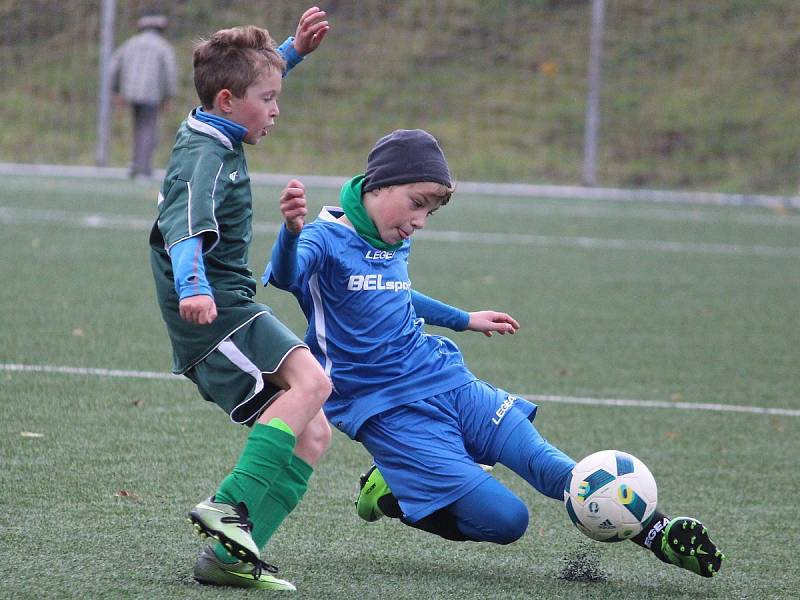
(263, 460)
(281, 500)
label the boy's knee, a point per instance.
(321, 384)
(316, 385)
(302, 373)
(491, 513)
(501, 523)
(511, 522)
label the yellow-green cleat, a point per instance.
(229, 525)
(375, 499)
(209, 570)
(686, 543)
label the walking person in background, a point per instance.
(144, 76)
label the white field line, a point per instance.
(604, 211)
(16, 214)
(569, 192)
(761, 410)
(10, 215)
(89, 371)
(546, 241)
(610, 402)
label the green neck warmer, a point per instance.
(350, 198)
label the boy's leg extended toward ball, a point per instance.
(681, 541)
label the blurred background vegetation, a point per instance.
(696, 95)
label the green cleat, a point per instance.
(229, 525)
(375, 499)
(686, 543)
(209, 570)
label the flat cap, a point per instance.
(152, 21)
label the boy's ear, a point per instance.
(222, 101)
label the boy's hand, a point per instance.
(489, 321)
(200, 310)
(311, 30)
(293, 205)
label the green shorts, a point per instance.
(231, 375)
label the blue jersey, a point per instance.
(362, 326)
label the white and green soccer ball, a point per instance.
(611, 496)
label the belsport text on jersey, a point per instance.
(375, 282)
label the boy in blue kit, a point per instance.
(406, 395)
(236, 352)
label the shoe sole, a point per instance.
(230, 579)
(689, 538)
(288, 587)
(232, 546)
(210, 571)
(248, 584)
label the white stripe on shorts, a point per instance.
(233, 354)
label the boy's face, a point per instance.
(258, 109)
(399, 210)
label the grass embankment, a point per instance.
(695, 96)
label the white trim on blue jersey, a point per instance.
(319, 322)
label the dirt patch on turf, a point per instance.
(583, 564)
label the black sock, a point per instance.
(390, 507)
(650, 536)
(441, 523)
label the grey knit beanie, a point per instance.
(406, 156)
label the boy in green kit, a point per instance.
(235, 350)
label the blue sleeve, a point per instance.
(290, 54)
(189, 269)
(439, 313)
(282, 269)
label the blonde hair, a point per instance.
(233, 59)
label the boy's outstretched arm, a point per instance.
(438, 313)
(282, 269)
(311, 30)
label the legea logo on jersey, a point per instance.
(503, 409)
(379, 254)
(375, 282)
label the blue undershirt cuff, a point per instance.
(290, 54)
(188, 268)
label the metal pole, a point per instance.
(593, 95)
(107, 13)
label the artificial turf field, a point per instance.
(666, 306)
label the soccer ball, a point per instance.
(610, 496)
